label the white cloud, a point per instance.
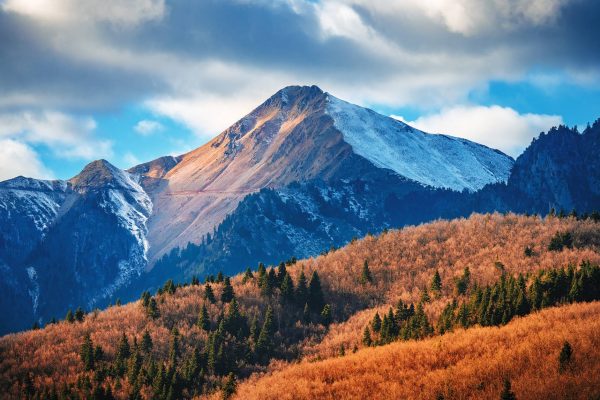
(16, 158)
(498, 127)
(121, 13)
(67, 136)
(147, 127)
(471, 17)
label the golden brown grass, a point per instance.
(467, 364)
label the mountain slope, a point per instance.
(78, 242)
(300, 134)
(469, 364)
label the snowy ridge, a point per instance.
(35, 200)
(434, 160)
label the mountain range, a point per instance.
(301, 173)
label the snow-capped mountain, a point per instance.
(302, 172)
(299, 134)
(71, 243)
(436, 160)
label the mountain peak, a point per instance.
(101, 174)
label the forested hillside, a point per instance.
(412, 285)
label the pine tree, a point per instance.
(366, 339)
(204, 319)
(436, 283)
(79, 314)
(365, 276)
(315, 294)
(507, 393)
(281, 273)
(326, 316)
(220, 277)
(376, 323)
(265, 344)
(306, 314)
(425, 296)
(229, 387)
(195, 281)
(287, 289)
(254, 330)
(262, 271)
(247, 275)
(174, 351)
(70, 318)
(209, 294)
(87, 353)
(227, 294)
(152, 310)
(123, 349)
(462, 283)
(301, 290)
(146, 346)
(134, 366)
(564, 358)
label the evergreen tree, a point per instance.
(204, 319)
(146, 345)
(306, 314)
(425, 296)
(70, 318)
(79, 314)
(145, 298)
(174, 351)
(436, 283)
(195, 281)
(315, 294)
(227, 294)
(87, 353)
(507, 393)
(301, 290)
(262, 271)
(281, 273)
(366, 339)
(247, 275)
(229, 387)
(209, 294)
(365, 276)
(564, 358)
(376, 323)
(134, 366)
(287, 289)
(152, 310)
(220, 277)
(123, 349)
(326, 316)
(462, 283)
(265, 344)
(254, 330)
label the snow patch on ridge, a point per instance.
(433, 160)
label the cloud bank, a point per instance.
(207, 63)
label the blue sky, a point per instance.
(132, 81)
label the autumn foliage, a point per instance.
(331, 313)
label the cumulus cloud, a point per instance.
(16, 158)
(498, 127)
(147, 127)
(66, 136)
